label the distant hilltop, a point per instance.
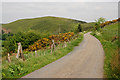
(43, 24)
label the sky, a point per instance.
(59, 0)
(80, 10)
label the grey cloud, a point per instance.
(88, 11)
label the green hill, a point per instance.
(49, 24)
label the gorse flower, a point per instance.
(44, 42)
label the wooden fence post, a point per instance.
(20, 52)
(51, 48)
(35, 53)
(9, 60)
(65, 44)
(22, 55)
(53, 44)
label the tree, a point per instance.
(99, 21)
(79, 28)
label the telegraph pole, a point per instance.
(59, 28)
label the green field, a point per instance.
(53, 25)
(108, 36)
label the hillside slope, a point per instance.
(43, 24)
(87, 26)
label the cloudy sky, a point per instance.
(87, 11)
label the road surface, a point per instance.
(85, 61)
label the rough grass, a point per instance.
(112, 57)
(110, 31)
(19, 68)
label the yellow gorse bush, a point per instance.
(44, 42)
(109, 22)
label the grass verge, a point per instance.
(19, 68)
(108, 37)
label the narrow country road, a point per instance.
(85, 61)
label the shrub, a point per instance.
(26, 39)
(44, 42)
